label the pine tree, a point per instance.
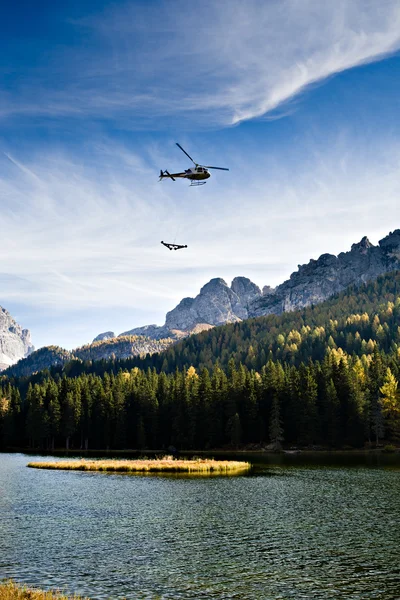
(204, 429)
(54, 412)
(234, 430)
(13, 418)
(35, 420)
(275, 425)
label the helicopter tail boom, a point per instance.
(164, 174)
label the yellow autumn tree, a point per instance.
(191, 373)
(390, 402)
(4, 405)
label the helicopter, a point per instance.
(196, 175)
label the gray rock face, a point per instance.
(182, 316)
(107, 335)
(267, 290)
(121, 348)
(15, 342)
(155, 332)
(322, 278)
(247, 292)
(216, 304)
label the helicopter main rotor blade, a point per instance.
(184, 151)
(219, 168)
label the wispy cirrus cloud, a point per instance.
(220, 63)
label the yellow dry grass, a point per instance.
(162, 465)
(12, 591)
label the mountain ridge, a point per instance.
(319, 279)
(218, 303)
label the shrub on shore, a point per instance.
(13, 591)
(390, 448)
(164, 465)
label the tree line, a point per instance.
(340, 401)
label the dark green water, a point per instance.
(288, 531)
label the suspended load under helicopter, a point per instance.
(196, 175)
(173, 246)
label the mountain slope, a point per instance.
(15, 342)
(121, 347)
(356, 320)
(107, 349)
(39, 360)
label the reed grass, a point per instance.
(161, 465)
(9, 590)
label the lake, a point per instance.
(292, 529)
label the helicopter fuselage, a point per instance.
(197, 174)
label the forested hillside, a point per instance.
(327, 375)
(117, 348)
(354, 321)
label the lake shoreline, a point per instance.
(135, 453)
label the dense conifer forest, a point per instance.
(324, 376)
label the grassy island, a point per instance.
(162, 465)
(12, 591)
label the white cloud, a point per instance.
(216, 63)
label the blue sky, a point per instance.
(299, 99)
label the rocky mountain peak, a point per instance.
(363, 246)
(245, 289)
(107, 335)
(215, 304)
(213, 284)
(15, 342)
(391, 243)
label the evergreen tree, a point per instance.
(234, 430)
(275, 425)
